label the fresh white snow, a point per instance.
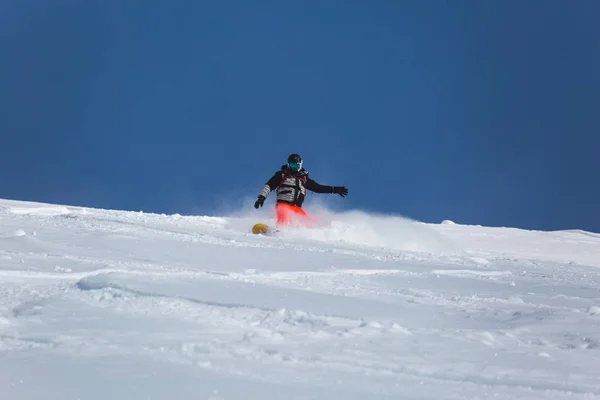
(99, 304)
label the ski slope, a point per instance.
(99, 304)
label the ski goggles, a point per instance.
(295, 165)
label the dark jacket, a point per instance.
(291, 186)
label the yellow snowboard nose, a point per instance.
(260, 228)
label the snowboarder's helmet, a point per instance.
(295, 161)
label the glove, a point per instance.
(341, 190)
(259, 202)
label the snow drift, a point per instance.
(98, 304)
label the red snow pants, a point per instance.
(288, 214)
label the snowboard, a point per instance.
(261, 229)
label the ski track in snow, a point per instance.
(196, 307)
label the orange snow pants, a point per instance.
(288, 214)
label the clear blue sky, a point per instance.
(483, 112)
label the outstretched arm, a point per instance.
(313, 186)
(271, 185)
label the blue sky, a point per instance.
(483, 112)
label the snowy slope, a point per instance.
(98, 304)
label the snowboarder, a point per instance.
(291, 183)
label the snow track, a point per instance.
(100, 304)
